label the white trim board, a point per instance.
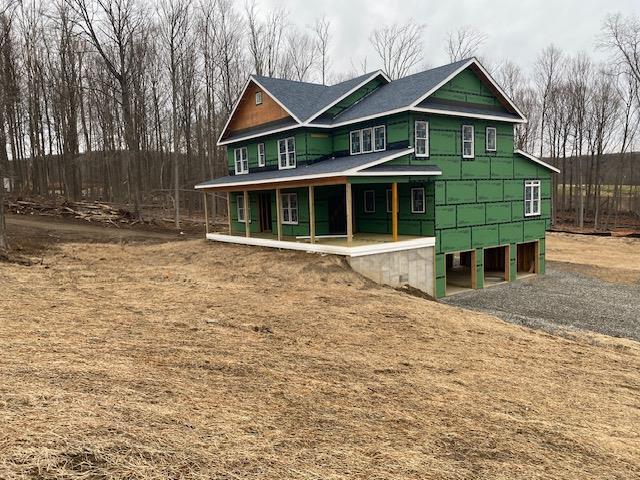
(358, 251)
(537, 160)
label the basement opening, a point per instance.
(496, 265)
(459, 273)
(528, 259)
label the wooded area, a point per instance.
(122, 100)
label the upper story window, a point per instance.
(261, 155)
(287, 153)
(258, 98)
(468, 149)
(369, 201)
(422, 139)
(241, 160)
(417, 200)
(289, 208)
(367, 140)
(491, 137)
(531, 198)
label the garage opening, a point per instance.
(496, 265)
(527, 259)
(460, 271)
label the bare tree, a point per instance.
(622, 37)
(464, 43)
(400, 47)
(322, 40)
(300, 57)
(4, 160)
(547, 71)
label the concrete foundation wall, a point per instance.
(407, 267)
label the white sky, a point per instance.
(517, 29)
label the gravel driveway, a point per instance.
(561, 298)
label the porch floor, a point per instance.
(359, 239)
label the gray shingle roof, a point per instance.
(391, 169)
(305, 99)
(334, 166)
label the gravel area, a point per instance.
(559, 300)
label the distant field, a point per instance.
(167, 359)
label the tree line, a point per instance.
(123, 100)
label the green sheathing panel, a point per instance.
(353, 98)
(397, 132)
(239, 227)
(468, 88)
(302, 227)
(379, 221)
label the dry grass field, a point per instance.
(195, 360)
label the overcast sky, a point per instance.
(516, 29)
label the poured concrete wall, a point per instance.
(407, 267)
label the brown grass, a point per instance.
(611, 259)
(194, 360)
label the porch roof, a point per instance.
(352, 165)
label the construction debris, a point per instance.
(89, 211)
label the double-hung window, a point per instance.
(289, 208)
(241, 159)
(531, 198)
(261, 156)
(422, 139)
(240, 208)
(367, 140)
(258, 98)
(287, 153)
(467, 141)
(369, 201)
(491, 139)
(417, 200)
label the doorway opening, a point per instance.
(460, 271)
(337, 215)
(528, 258)
(264, 209)
(496, 265)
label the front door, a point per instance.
(337, 215)
(264, 207)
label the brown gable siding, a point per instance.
(249, 115)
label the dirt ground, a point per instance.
(139, 359)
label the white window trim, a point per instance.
(473, 142)
(426, 139)
(384, 143)
(424, 201)
(262, 159)
(286, 148)
(242, 170)
(259, 97)
(240, 206)
(534, 201)
(282, 203)
(486, 139)
(373, 140)
(389, 200)
(365, 201)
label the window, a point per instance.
(417, 200)
(422, 139)
(369, 201)
(367, 140)
(467, 141)
(389, 201)
(490, 139)
(289, 208)
(531, 198)
(241, 160)
(261, 157)
(240, 208)
(287, 149)
(380, 139)
(258, 98)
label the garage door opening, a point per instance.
(460, 269)
(496, 266)
(527, 259)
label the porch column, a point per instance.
(206, 213)
(347, 188)
(394, 211)
(229, 211)
(279, 213)
(247, 214)
(312, 216)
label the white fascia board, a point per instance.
(538, 161)
(342, 97)
(481, 116)
(499, 88)
(358, 251)
(343, 173)
(235, 106)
